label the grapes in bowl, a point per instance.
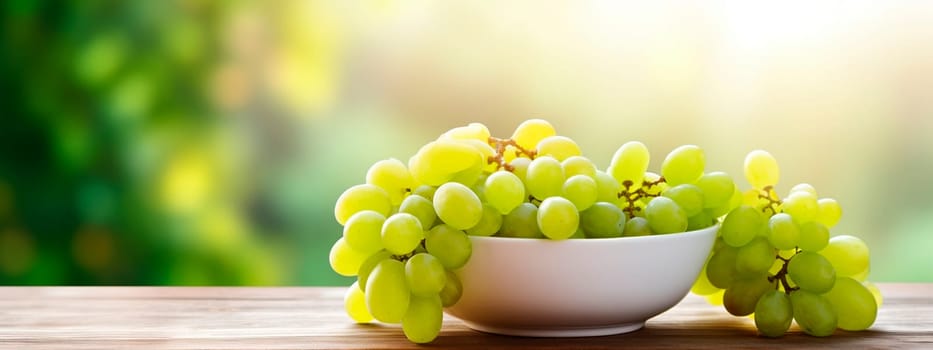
(577, 287)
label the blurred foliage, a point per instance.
(204, 142)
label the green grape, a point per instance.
(741, 225)
(717, 188)
(861, 276)
(359, 198)
(803, 187)
(530, 132)
(578, 165)
(848, 255)
(443, 160)
(854, 304)
(363, 231)
(422, 322)
(425, 191)
(755, 257)
(421, 208)
(452, 291)
(802, 206)
(401, 233)
(602, 220)
(812, 272)
(875, 292)
(828, 212)
(655, 189)
(392, 176)
(457, 205)
(425, 275)
(783, 232)
(522, 222)
(520, 168)
(734, 202)
(665, 216)
(581, 190)
(773, 314)
(559, 147)
(742, 296)
(813, 313)
(472, 131)
(487, 152)
(607, 188)
(545, 178)
(558, 218)
(488, 225)
(578, 234)
(721, 268)
(387, 293)
(354, 303)
(813, 236)
(637, 226)
(345, 260)
(689, 197)
(366, 268)
(761, 169)
(684, 165)
(701, 220)
(449, 245)
(504, 191)
(702, 285)
(629, 162)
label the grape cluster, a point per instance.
(774, 258)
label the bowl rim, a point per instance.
(654, 237)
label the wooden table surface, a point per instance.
(307, 317)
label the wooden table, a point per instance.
(273, 318)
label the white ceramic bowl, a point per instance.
(577, 287)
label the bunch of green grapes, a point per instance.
(774, 258)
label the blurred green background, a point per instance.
(205, 142)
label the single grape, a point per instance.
(755, 257)
(521, 222)
(488, 225)
(813, 236)
(578, 165)
(773, 314)
(444, 160)
(734, 202)
(702, 285)
(472, 131)
(721, 268)
(558, 218)
(422, 321)
(812, 272)
(761, 169)
(578, 234)
(457, 206)
(559, 147)
(802, 206)
(875, 292)
(401, 233)
(387, 293)
(363, 231)
(684, 165)
(813, 313)
(803, 187)
(504, 191)
(545, 178)
(425, 275)
(602, 220)
(783, 232)
(359, 198)
(607, 188)
(424, 191)
(392, 176)
(828, 212)
(449, 245)
(717, 188)
(345, 260)
(689, 197)
(701, 220)
(354, 303)
(530, 132)
(629, 162)
(741, 225)
(848, 255)
(854, 304)
(637, 226)
(520, 168)
(581, 190)
(665, 216)
(366, 268)
(421, 208)
(742, 296)
(452, 291)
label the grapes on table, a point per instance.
(407, 227)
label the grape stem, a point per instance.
(769, 195)
(632, 196)
(782, 274)
(499, 158)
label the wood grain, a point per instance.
(312, 318)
